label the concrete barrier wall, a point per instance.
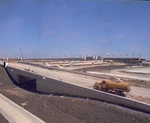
(13, 113)
(48, 85)
(3, 119)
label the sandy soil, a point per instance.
(56, 109)
(140, 94)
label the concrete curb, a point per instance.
(16, 114)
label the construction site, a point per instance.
(74, 61)
(48, 90)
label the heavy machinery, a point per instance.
(112, 86)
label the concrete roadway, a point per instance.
(140, 91)
(77, 79)
(119, 74)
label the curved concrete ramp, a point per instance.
(13, 113)
(51, 85)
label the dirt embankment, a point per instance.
(103, 68)
(56, 109)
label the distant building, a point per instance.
(125, 60)
(91, 58)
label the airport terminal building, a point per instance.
(125, 60)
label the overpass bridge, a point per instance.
(60, 82)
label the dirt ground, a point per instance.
(105, 67)
(59, 108)
(137, 83)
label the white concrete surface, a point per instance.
(16, 114)
(119, 74)
(139, 70)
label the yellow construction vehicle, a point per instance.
(112, 86)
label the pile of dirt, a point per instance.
(56, 109)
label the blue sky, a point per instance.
(67, 28)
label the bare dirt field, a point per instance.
(59, 108)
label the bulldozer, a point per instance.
(112, 86)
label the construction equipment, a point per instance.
(22, 58)
(112, 86)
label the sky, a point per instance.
(74, 28)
